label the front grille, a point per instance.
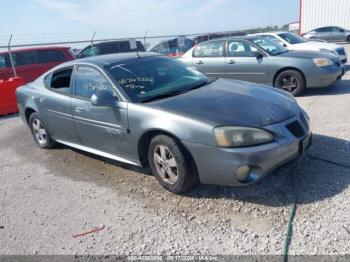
(304, 121)
(341, 51)
(296, 129)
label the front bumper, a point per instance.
(219, 166)
(324, 76)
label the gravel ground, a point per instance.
(46, 196)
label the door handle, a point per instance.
(199, 62)
(231, 62)
(79, 109)
(41, 99)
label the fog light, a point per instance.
(242, 173)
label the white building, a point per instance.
(319, 13)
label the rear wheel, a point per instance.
(171, 165)
(39, 131)
(291, 81)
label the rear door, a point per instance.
(243, 64)
(325, 33)
(55, 105)
(99, 127)
(209, 58)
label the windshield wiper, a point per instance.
(174, 93)
(200, 85)
(161, 96)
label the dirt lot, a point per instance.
(48, 196)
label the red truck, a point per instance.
(32, 62)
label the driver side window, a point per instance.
(89, 81)
(237, 48)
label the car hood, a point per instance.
(309, 54)
(313, 45)
(230, 102)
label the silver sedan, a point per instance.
(259, 60)
(152, 111)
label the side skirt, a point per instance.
(97, 152)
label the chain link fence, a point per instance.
(29, 56)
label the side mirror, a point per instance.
(103, 98)
(258, 55)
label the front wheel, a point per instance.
(40, 133)
(171, 165)
(291, 81)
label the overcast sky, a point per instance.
(135, 17)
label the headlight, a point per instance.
(236, 136)
(322, 62)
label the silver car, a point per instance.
(153, 111)
(257, 59)
(329, 34)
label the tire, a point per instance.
(172, 165)
(291, 81)
(39, 131)
(348, 39)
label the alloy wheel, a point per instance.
(165, 164)
(289, 83)
(39, 131)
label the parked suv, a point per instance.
(329, 33)
(32, 63)
(109, 47)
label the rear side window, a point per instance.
(49, 56)
(112, 48)
(24, 58)
(324, 29)
(89, 81)
(60, 80)
(210, 49)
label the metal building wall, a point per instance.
(318, 13)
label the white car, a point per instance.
(294, 42)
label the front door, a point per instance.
(242, 62)
(103, 128)
(209, 58)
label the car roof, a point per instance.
(270, 33)
(247, 37)
(111, 42)
(102, 60)
(37, 49)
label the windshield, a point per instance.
(150, 77)
(292, 38)
(269, 46)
